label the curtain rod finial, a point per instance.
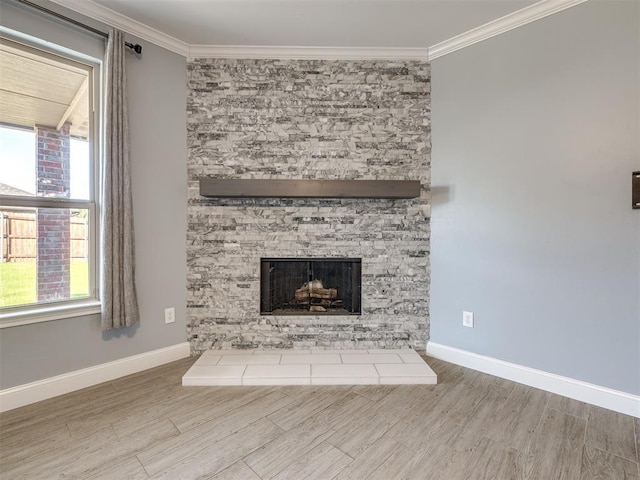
(136, 48)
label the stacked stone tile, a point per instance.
(295, 119)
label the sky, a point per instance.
(18, 162)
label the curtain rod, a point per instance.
(136, 48)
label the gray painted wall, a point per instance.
(157, 101)
(535, 136)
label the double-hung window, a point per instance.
(48, 184)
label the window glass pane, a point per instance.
(80, 171)
(79, 253)
(44, 124)
(17, 161)
(44, 255)
(18, 167)
(18, 267)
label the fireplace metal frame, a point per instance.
(264, 264)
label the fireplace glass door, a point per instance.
(310, 286)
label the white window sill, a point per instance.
(46, 313)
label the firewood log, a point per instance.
(316, 293)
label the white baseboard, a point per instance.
(21, 395)
(568, 387)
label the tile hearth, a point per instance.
(309, 367)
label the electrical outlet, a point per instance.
(169, 315)
(467, 319)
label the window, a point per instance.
(48, 212)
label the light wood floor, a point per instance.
(469, 426)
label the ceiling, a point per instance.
(319, 23)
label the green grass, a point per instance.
(18, 282)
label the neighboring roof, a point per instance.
(38, 89)
(9, 190)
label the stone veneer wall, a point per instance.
(293, 119)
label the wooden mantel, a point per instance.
(274, 188)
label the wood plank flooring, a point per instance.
(469, 426)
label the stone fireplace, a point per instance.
(308, 119)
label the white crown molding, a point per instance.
(501, 25)
(126, 24)
(615, 400)
(307, 53)
(21, 395)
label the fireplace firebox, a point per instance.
(310, 286)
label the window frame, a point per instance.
(68, 308)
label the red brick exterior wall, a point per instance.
(53, 178)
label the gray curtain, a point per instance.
(118, 290)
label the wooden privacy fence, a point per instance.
(19, 236)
